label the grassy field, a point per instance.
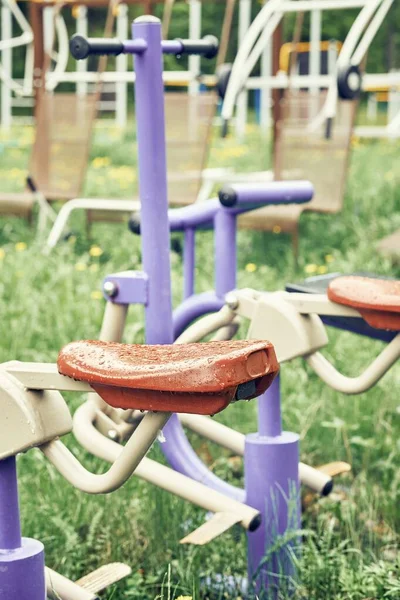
(351, 539)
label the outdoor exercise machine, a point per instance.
(271, 456)
(159, 379)
(203, 378)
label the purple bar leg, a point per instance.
(150, 119)
(189, 262)
(225, 252)
(269, 411)
(272, 486)
(10, 528)
(21, 560)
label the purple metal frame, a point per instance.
(271, 461)
(21, 559)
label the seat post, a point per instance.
(21, 559)
(150, 119)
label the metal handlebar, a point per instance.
(82, 47)
(257, 194)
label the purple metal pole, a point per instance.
(225, 252)
(10, 528)
(155, 229)
(269, 411)
(189, 262)
(272, 486)
(150, 119)
(21, 560)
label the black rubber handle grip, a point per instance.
(82, 47)
(207, 47)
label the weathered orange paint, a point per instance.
(377, 300)
(193, 378)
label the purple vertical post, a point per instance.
(21, 559)
(10, 528)
(269, 411)
(150, 120)
(225, 252)
(189, 262)
(272, 486)
(155, 229)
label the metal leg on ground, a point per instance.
(272, 486)
(21, 559)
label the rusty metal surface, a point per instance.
(192, 378)
(378, 300)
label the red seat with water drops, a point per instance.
(193, 378)
(377, 300)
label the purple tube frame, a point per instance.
(21, 559)
(263, 480)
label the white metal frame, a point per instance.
(259, 34)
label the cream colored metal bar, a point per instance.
(362, 383)
(318, 304)
(123, 467)
(307, 5)
(44, 376)
(63, 51)
(371, 31)
(206, 325)
(235, 442)
(61, 587)
(157, 474)
(227, 332)
(235, 80)
(103, 204)
(113, 324)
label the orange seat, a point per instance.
(192, 378)
(377, 300)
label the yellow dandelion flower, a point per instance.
(2, 253)
(20, 246)
(94, 268)
(95, 251)
(80, 267)
(329, 258)
(100, 161)
(251, 267)
(310, 269)
(276, 229)
(96, 295)
(322, 270)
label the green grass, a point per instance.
(351, 541)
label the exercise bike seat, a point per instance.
(198, 378)
(377, 300)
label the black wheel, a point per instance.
(349, 82)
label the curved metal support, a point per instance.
(123, 467)
(356, 385)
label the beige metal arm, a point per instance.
(126, 463)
